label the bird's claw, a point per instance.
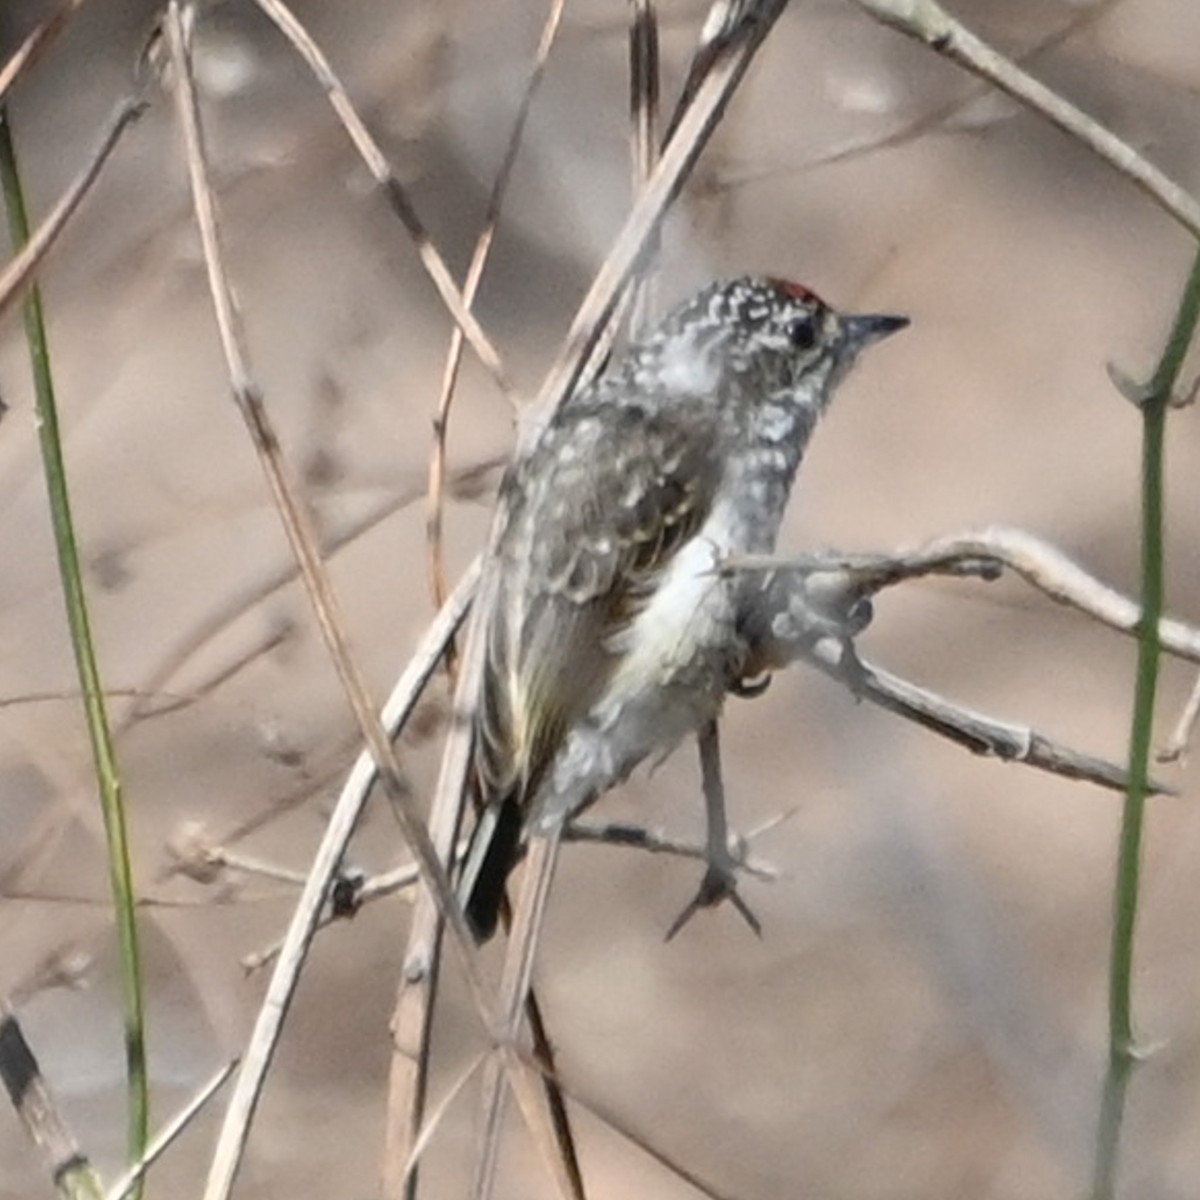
(719, 883)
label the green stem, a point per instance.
(1122, 1053)
(103, 753)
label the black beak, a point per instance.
(862, 331)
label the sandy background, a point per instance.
(925, 1015)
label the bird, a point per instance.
(609, 633)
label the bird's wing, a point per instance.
(596, 511)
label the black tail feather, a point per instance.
(492, 854)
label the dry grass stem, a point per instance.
(240, 1111)
(644, 94)
(325, 863)
(412, 1014)
(438, 1116)
(615, 834)
(515, 984)
(302, 538)
(20, 272)
(412, 1017)
(612, 1120)
(479, 258)
(669, 175)
(383, 174)
(35, 44)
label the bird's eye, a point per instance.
(803, 333)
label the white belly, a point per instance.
(691, 611)
(675, 664)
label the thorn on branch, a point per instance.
(1136, 393)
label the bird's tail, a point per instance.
(494, 850)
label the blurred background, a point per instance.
(925, 1015)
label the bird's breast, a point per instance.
(684, 633)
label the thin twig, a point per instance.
(479, 259)
(296, 519)
(644, 90)
(612, 1120)
(438, 1115)
(169, 1133)
(412, 1014)
(387, 883)
(412, 1018)
(399, 879)
(801, 611)
(384, 175)
(653, 841)
(528, 916)
(19, 273)
(36, 44)
(973, 730)
(929, 23)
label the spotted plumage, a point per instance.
(608, 635)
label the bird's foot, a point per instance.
(719, 883)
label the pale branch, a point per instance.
(975, 731)
(411, 1023)
(301, 534)
(929, 23)
(645, 86)
(515, 983)
(833, 582)
(811, 606)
